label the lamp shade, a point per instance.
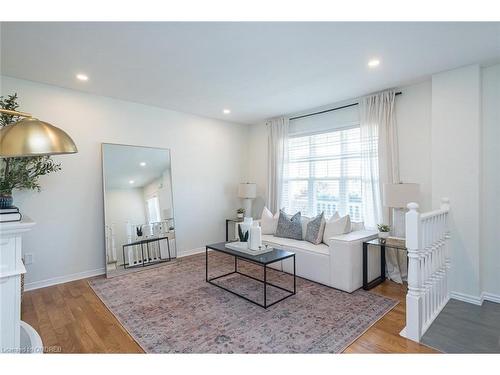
(32, 137)
(247, 190)
(399, 195)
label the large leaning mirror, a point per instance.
(138, 208)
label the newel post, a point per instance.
(413, 298)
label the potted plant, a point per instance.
(20, 173)
(383, 231)
(240, 212)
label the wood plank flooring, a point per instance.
(70, 318)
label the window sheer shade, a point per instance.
(323, 173)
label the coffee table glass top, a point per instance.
(377, 242)
(266, 258)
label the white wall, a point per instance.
(490, 233)
(456, 131)
(413, 117)
(208, 162)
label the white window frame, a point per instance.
(312, 202)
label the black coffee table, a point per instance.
(263, 260)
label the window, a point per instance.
(153, 210)
(323, 173)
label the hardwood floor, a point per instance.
(383, 336)
(71, 319)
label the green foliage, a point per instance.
(243, 237)
(240, 211)
(21, 173)
(384, 228)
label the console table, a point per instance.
(148, 260)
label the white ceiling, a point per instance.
(122, 164)
(258, 70)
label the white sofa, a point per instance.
(338, 264)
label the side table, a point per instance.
(382, 246)
(231, 220)
(235, 220)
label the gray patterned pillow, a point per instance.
(289, 226)
(315, 229)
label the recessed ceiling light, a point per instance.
(142, 164)
(373, 63)
(82, 77)
(226, 111)
(131, 182)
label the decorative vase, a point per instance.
(6, 200)
(239, 216)
(383, 235)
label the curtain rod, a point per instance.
(330, 110)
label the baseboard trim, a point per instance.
(85, 274)
(186, 253)
(485, 296)
(64, 279)
(467, 298)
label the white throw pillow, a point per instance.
(268, 222)
(357, 225)
(336, 226)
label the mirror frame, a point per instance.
(103, 184)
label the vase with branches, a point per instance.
(20, 173)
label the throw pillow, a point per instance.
(304, 220)
(357, 225)
(289, 226)
(336, 226)
(268, 222)
(315, 229)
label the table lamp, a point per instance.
(247, 191)
(397, 196)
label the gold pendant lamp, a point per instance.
(32, 137)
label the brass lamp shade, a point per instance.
(32, 137)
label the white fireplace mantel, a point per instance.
(11, 269)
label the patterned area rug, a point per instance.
(171, 309)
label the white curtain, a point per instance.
(277, 130)
(380, 165)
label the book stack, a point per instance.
(10, 214)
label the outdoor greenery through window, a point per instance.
(323, 173)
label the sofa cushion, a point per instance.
(315, 229)
(289, 226)
(336, 226)
(294, 245)
(268, 222)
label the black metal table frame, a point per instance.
(379, 280)
(265, 282)
(141, 243)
